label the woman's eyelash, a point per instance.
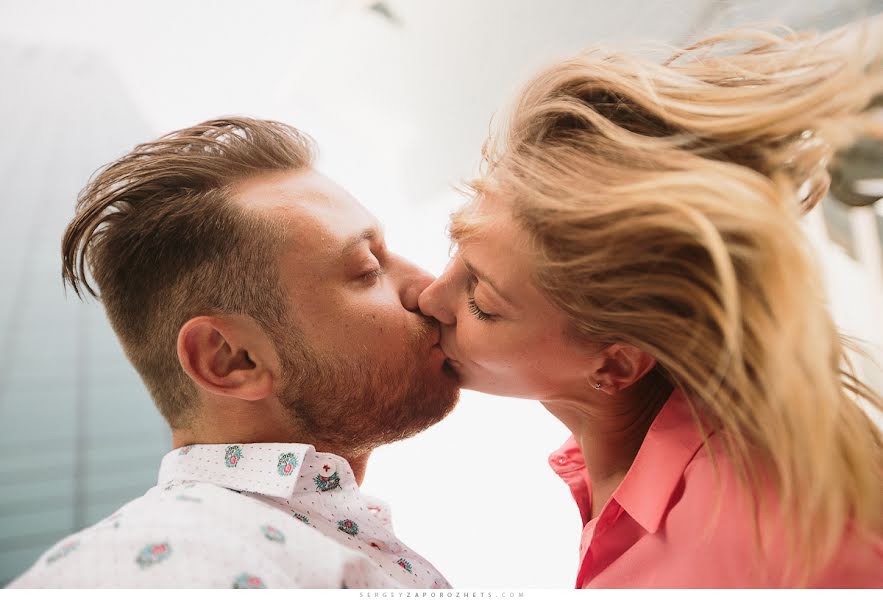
(477, 312)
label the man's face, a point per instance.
(363, 368)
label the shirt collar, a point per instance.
(669, 446)
(267, 469)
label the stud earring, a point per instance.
(597, 385)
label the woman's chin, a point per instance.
(476, 384)
(484, 383)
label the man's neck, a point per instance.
(216, 433)
(359, 464)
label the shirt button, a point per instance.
(327, 468)
(327, 477)
(561, 460)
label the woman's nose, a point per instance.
(433, 301)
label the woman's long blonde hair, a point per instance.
(663, 200)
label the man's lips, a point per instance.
(435, 340)
(453, 361)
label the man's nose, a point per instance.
(417, 281)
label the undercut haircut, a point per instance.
(164, 241)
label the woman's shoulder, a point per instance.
(715, 511)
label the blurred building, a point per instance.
(848, 234)
(78, 433)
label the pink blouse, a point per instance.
(665, 526)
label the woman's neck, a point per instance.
(610, 429)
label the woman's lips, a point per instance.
(452, 361)
(449, 365)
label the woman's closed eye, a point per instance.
(476, 311)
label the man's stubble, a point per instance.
(350, 407)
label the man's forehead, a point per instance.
(312, 207)
(290, 191)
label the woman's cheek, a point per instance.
(479, 343)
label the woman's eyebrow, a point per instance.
(481, 275)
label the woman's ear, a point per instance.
(228, 355)
(622, 366)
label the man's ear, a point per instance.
(228, 355)
(623, 365)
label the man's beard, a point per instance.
(350, 407)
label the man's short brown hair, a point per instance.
(164, 242)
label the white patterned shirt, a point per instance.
(242, 516)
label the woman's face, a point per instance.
(501, 334)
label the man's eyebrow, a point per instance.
(480, 275)
(368, 234)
